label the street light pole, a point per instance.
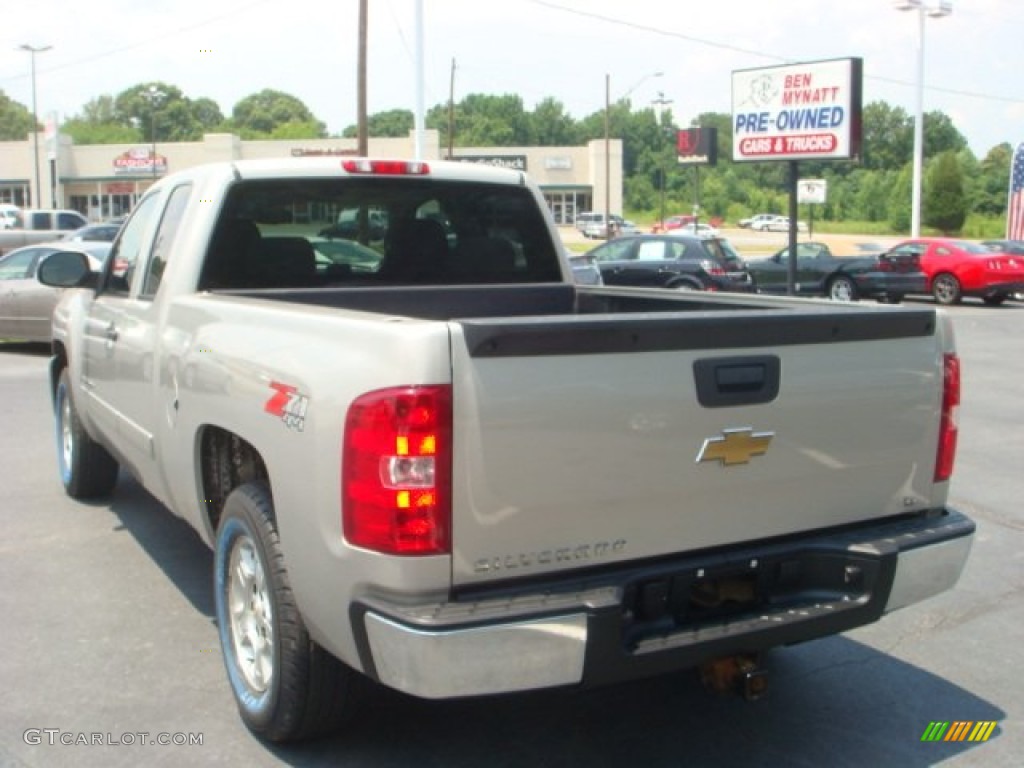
(940, 9)
(660, 103)
(33, 50)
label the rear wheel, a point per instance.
(842, 288)
(946, 289)
(995, 300)
(286, 686)
(684, 285)
(87, 469)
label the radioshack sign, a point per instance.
(808, 111)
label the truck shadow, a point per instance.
(836, 702)
(169, 541)
(833, 702)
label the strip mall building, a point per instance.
(106, 180)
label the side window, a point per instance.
(69, 221)
(40, 220)
(128, 246)
(17, 266)
(651, 250)
(165, 238)
(614, 251)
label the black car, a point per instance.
(680, 262)
(1016, 247)
(819, 272)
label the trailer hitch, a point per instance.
(741, 674)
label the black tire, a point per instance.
(946, 289)
(842, 288)
(286, 686)
(994, 300)
(87, 469)
(685, 285)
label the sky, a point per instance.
(564, 49)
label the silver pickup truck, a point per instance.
(27, 227)
(424, 457)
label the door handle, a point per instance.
(111, 332)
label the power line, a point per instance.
(145, 42)
(760, 54)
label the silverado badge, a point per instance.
(735, 446)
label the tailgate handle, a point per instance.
(731, 381)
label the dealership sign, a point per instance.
(139, 162)
(812, 191)
(809, 111)
(697, 146)
(511, 162)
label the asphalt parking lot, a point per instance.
(109, 636)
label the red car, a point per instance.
(958, 268)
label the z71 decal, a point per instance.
(288, 405)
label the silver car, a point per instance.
(26, 305)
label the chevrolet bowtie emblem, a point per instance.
(735, 446)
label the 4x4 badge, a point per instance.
(735, 446)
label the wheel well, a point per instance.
(694, 282)
(227, 461)
(58, 364)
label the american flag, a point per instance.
(1015, 203)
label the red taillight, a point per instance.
(712, 267)
(386, 167)
(396, 471)
(948, 424)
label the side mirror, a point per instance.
(65, 269)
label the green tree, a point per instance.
(99, 123)
(553, 126)
(887, 136)
(945, 204)
(159, 111)
(900, 200)
(15, 119)
(940, 135)
(260, 114)
(992, 181)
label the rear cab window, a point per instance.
(378, 231)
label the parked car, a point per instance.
(819, 272)
(591, 224)
(680, 262)
(698, 230)
(8, 215)
(958, 268)
(584, 270)
(1015, 247)
(755, 222)
(104, 233)
(26, 305)
(780, 224)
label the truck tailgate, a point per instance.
(582, 442)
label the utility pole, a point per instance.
(451, 114)
(362, 131)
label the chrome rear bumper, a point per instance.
(809, 587)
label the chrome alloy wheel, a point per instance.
(251, 615)
(66, 435)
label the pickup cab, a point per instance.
(27, 227)
(431, 461)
